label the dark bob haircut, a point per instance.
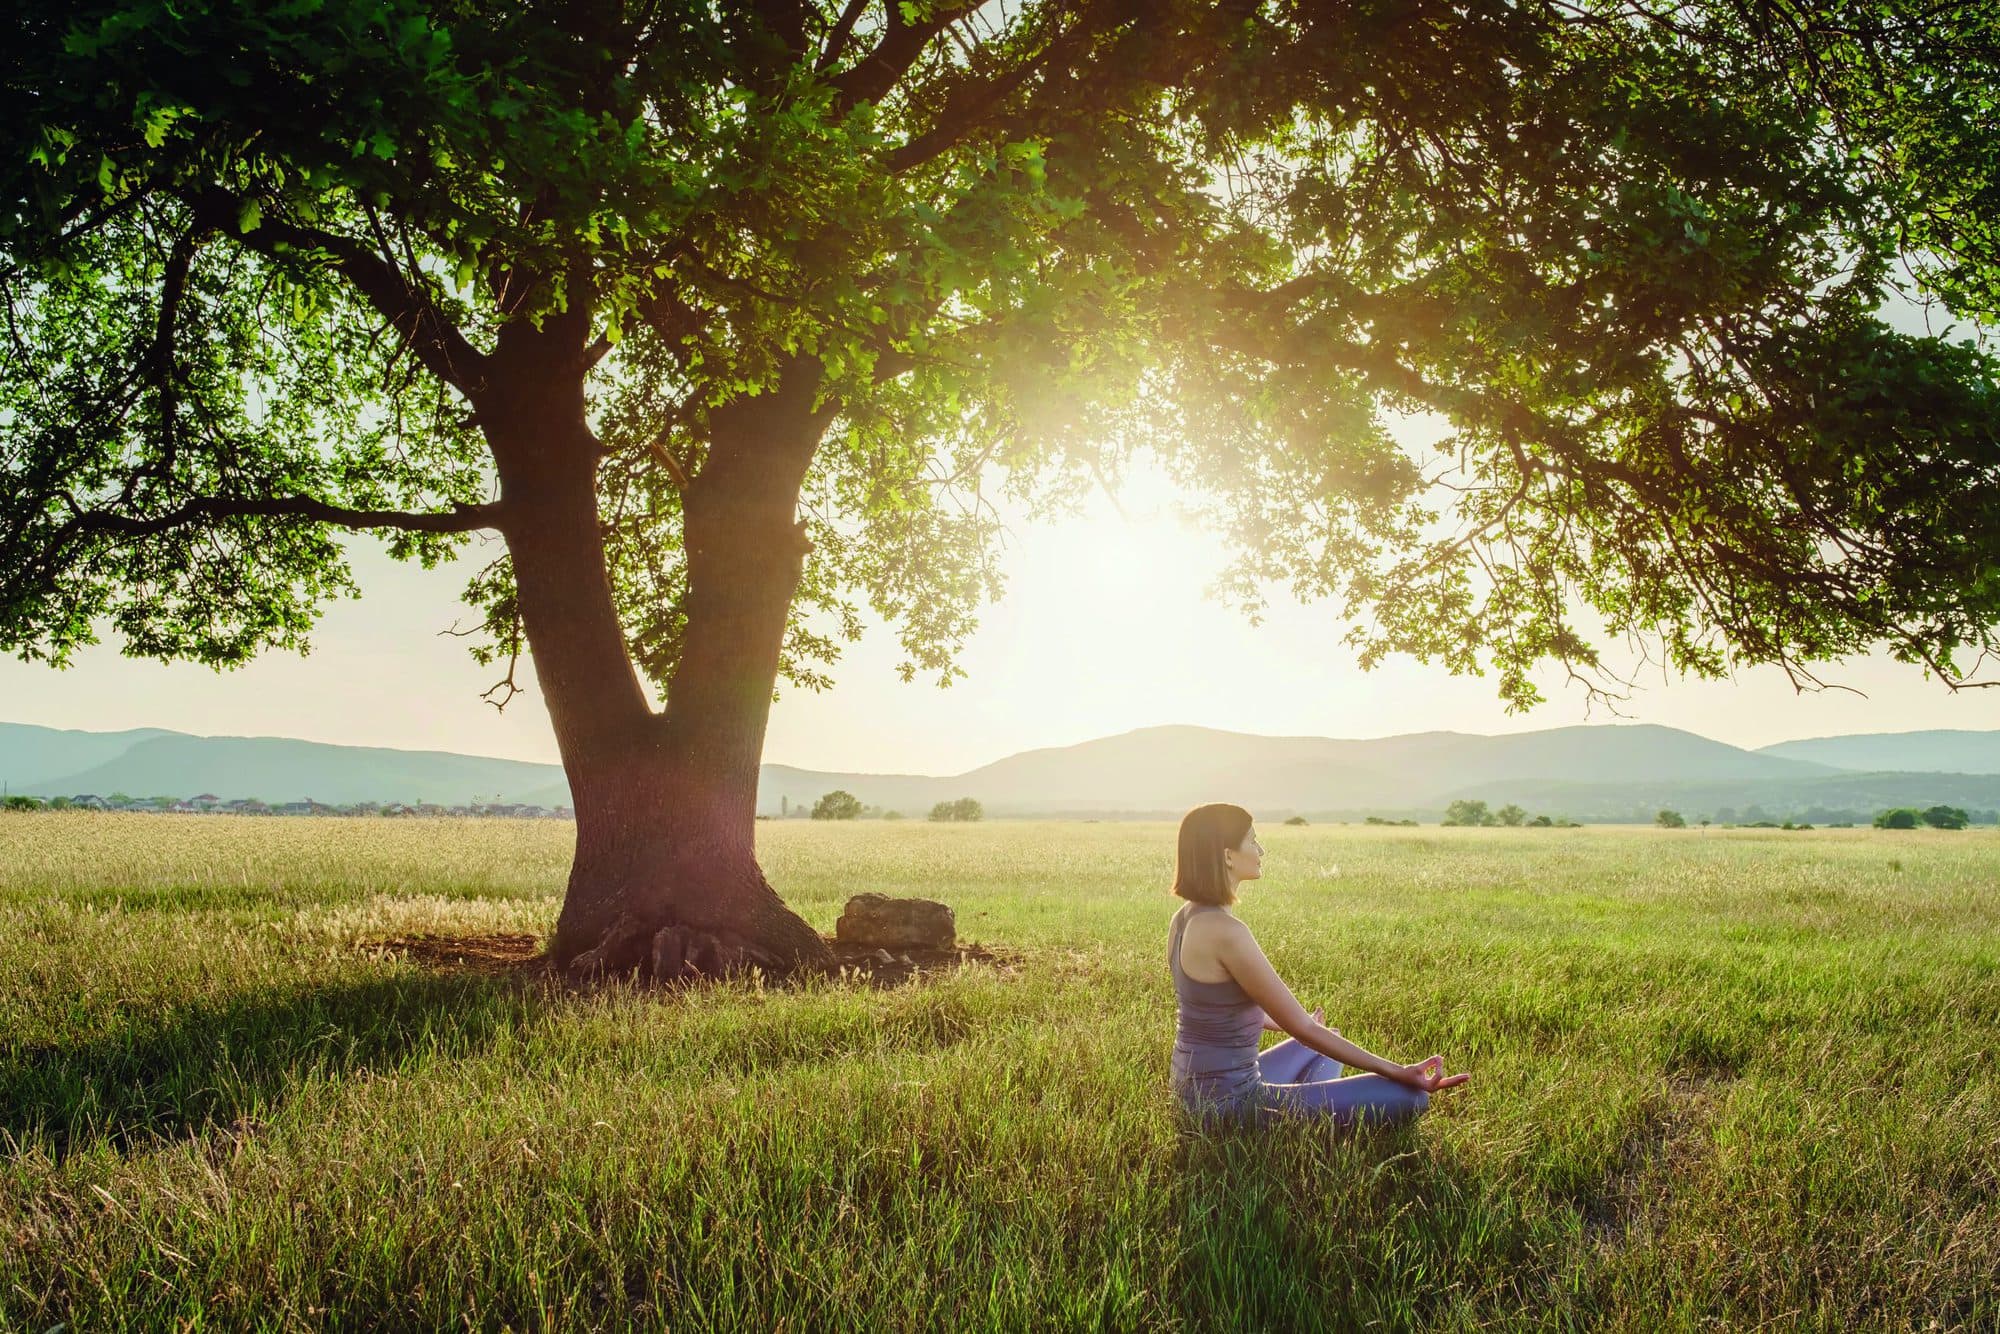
(1206, 833)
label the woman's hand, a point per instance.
(1429, 1076)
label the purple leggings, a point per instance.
(1299, 1080)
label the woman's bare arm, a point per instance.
(1244, 958)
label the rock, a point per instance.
(876, 920)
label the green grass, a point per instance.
(1736, 1078)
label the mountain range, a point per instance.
(1601, 772)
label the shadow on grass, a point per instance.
(214, 1066)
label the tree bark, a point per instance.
(665, 880)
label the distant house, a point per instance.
(293, 808)
(207, 801)
(89, 801)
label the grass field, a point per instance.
(1735, 1079)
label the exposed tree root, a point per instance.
(676, 956)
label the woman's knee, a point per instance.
(1320, 1069)
(1282, 1062)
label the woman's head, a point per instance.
(1217, 850)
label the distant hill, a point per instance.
(1952, 752)
(277, 769)
(1597, 772)
(30, 755)
(1172, 768)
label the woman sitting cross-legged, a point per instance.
(1229, 995)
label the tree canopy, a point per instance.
(261, 267)
(839, 804)
(1468, 812)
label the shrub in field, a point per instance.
(1670, 820)
(1467, 814)
(1900, 818)
(1296, 820)
(838, 804)
(965, 809)
(1946, 817)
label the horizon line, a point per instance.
(1031, 750)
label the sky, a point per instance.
(1104, 627)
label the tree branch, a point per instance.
(836, 40)
(658, 446)
(160, 359)
(967, 107)
(877, 72)
(461, 518)
(439, 344)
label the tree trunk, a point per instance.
(665, 880)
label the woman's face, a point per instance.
(1245, 861)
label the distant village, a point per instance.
(210, 804)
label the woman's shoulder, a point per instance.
(1211, 925)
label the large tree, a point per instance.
(727, 317)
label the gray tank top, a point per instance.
(1216, 1030)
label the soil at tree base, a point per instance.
(520, 954)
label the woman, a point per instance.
(1229, 994)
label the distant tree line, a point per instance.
(1937, 817)
(118, 803)
(1756, 817)
(841, 804)
(1474, 814)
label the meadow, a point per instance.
(1727, 1079)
